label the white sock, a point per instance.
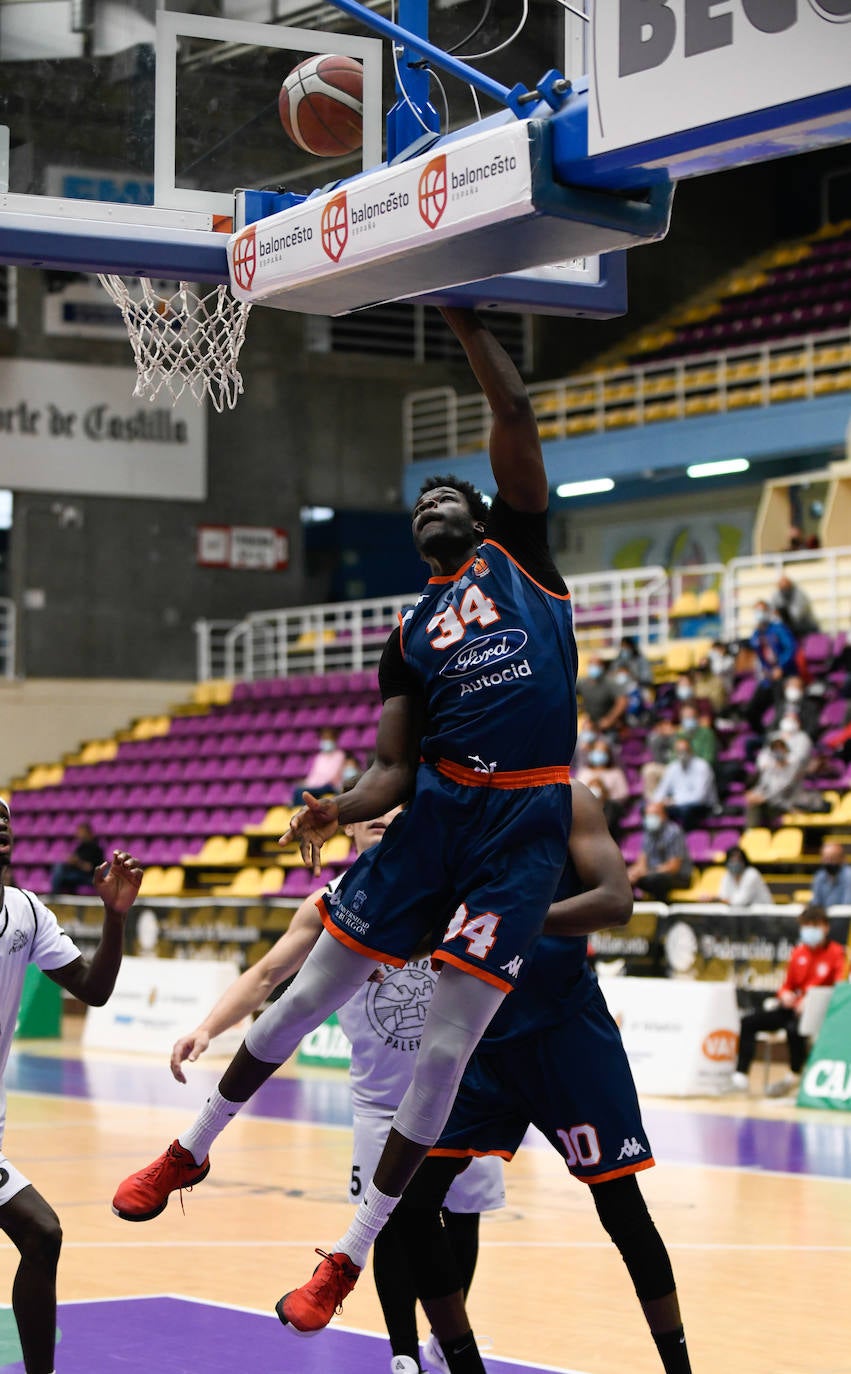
(210, 1122)
(369, 1218)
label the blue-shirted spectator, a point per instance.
(776, 649)
(832, 882)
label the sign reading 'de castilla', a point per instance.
(72, 428)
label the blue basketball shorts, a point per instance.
(471, 869)
(572, 1081)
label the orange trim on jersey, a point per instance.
(453, 577)
(401, 638)
(559, 596)
(507, 781)
(473, 1154)
(441, 955)
(352, 943)
(649, 1163)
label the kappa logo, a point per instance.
(631, 1148)
(245, 258)
(479, 764)
(513, 967)
(335, 226)
(431, 191)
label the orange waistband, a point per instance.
(527, 777)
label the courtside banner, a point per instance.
(469, 183)
(681, 1039)
(662, 66)
(157, 1000)
(826, 1081)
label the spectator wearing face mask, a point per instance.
(325, 774)
(832, 881)
(713, 676)
(585, 737)
(794, 607)
(660, 742)
(630, 657)
(600, 697)
(742, 884)
(687, 787)
(685, 694)
(776, 784)
(600, 771)
(664, 861)
(801, 701)
(776, 650)
(698, 730)
(816, 961)
(798, 742)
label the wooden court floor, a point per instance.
(751, 1197)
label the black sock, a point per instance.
(462, 1355)
(672, 1348)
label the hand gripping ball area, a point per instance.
(321, 105)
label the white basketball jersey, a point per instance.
(29, 934)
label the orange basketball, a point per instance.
(321, 105)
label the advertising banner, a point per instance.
(156, 1000)
(681, 1039)
(826, 1080)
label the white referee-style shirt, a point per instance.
(29, 934)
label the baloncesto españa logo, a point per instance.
(245, 258)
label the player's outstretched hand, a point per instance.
(189, 1047)
(117, 881)
(315, 823)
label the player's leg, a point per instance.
(33, 1228)
(331, 974)
(623, 1212)
(460, 1010)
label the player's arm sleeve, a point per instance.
(52, 948)
(395, 677)
(523, 535)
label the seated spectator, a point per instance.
(352, 770)
(776, 650)
(798, 742)
(660, 742)
(664, 861)
(794, 607)
(638, 699)
(685, 694)
(698, 730)
(832, 881)
(78, 869)
(630, 657)
(687, 786)
(601, 769)
(742, 884)
(325, 774)
(816, 961)
(804, 700)
(776, 785)
(600, 698)
(585, 737)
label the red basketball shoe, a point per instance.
(144, 1195)
(309, 1308)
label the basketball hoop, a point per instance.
(182, 340)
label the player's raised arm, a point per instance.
(606, 899)
(515, 446)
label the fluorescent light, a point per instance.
(316, 515)
(585, 488)
(718, 469)
(6, 501)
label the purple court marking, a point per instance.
(181, 1336)
(821, 1148)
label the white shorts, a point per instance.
(481, 1187)
(12, 1181)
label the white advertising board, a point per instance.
(156, 1000)
(681, 1037)
(68, 427)
(661, 66)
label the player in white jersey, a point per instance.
(30, 934)
(383, 1021)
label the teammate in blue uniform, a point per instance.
(476, 734)
(552, 1057)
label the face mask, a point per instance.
(326, 745)
(812, 936)
(832, 869)
(736, 866)
(683, 757)
(779, 755)
(762, 617)
(623, 680)
(684, 693)
(689, 723)
(349, 774)
(717, 662)
(586, 736)
(793, 694)
(652, 823)
(594, 670)
(599, 758)
(789, 726)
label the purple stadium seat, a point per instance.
(833, 713)
(818, 650)
(701, 846)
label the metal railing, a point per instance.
(7, 637)
(823, 574)
(439, 423)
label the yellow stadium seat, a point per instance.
(787, 844)
(679, 657)
(709, 602)
(274, 823)
(247, 882)
(710, 881)
(756, 843)
(686, 604)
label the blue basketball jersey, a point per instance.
(496, 656)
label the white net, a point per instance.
(182, 339)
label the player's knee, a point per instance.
(40, 1242)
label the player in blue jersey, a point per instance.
(476, 734)
(552, 1057)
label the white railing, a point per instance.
(824, 574)
(438, 423)
(607, 606)
(7, 638)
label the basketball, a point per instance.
(321, 105)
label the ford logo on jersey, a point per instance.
(484, 652)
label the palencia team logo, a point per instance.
(484, 652)
(397, 1006)
(245, 258)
